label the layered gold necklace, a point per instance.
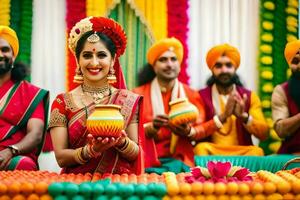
(97, 93)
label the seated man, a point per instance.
(23, 110)
(164, 60)
(286, 103)
(233, 113)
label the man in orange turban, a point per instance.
(159, 86)
(286, 103)
(23, 109)
(233, 113)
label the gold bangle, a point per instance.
(78, 156)
(129, 151)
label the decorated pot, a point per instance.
(182, 112)
(106, 121)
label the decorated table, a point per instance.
(216, 180)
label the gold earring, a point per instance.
(111, 77)
(78, 78)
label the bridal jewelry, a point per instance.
(97, 93)
(93, 38)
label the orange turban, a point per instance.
(291, 50)
(10, 36)
(163, 45)
(223, 50)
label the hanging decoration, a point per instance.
(99, 7)
(25, 31)
(76, 10)
(279, 25)
(153, 14)
(138, 42)
(178, 27)
(5, 12)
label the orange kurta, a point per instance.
(183, 149)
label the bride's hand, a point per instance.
(121, 139)
(101, 144)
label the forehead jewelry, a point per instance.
(94, 49)
(93, 38)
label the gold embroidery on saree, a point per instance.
(57, 119)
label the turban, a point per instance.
(10, 36)
(163, 45)
(291, 50)
(223, 50)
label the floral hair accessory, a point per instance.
(103, 25)
(218, 172)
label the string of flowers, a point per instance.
(268, 25)
(76, 10)
(292, 23)
(15, 15)
(5, 12)
(25, 31)
(279, 25)
(178, 27)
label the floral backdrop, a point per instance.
(149, 21)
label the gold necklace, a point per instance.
(97, 93)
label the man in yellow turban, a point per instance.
(159, 87)
(233, 113)
(23, 109)
(286, 103)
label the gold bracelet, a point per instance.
(130, 150)
(78, 156)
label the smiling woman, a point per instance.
(97, 43)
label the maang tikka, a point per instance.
(93, 38)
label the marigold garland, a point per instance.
(5, 13)
(178, 27)
(25, 32)
(76, 10)
(279, 25)
(267, 13)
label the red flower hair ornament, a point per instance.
(103, 25)
(111, 29)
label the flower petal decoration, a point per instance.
(218, 172)
(242, 174)
(196, 172)
(232, 170)
(218, 169)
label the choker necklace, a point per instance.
(98, 93)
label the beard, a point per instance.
(225, 79)
(6, 66)
(294, 87)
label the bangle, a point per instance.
(217, 121)
(78, 156)
(130, 150)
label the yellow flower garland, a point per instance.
(5, 13)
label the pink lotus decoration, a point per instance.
(218, 172)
